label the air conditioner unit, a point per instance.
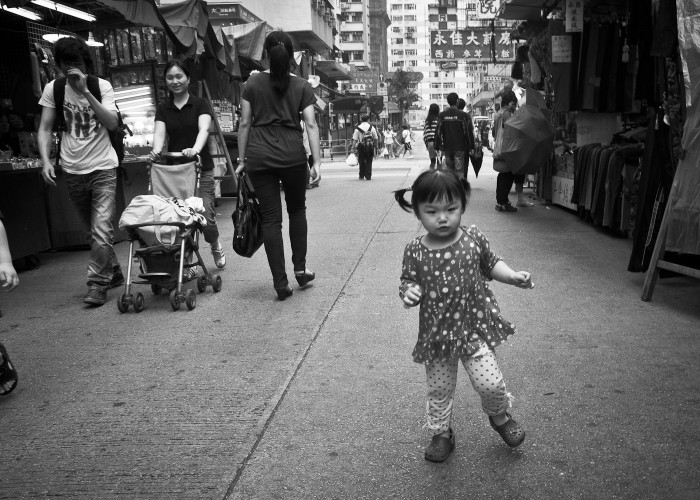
(344, 6)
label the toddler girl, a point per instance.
(445, 271)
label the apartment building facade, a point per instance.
(410, 48)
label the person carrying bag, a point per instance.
(247, 223)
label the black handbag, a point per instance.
(247, 222)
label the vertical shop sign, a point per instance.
(574, 16)
(487, 9)
(561, 49)
(472, 45)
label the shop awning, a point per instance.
(333, 70)
(248, 38)
(522, 10)
(391, 108)
(185, 20)
(223, 49)
(349, 105)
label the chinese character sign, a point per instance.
(472, 44)
(487, 9)
(574, 16)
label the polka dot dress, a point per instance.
(458, 311)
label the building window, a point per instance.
(398, 41)
(411, 52)
(413, 62)
(396, 29)
(435, 85)
(436, 97)
(396, 6)
(409, 18)
(410, 6)
(448, 85)
(357, 55)
(397, 64)
(397, 18)
(397, 52)
(356, 17)
(356, 36)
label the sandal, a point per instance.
(510, 431)
(440, 447)
(8, 374)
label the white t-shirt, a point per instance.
(85, 145)
(407, 136)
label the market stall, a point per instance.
(612, 76)
(130, 43)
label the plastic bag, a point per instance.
(352, 160)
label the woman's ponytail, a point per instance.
(400, 197)
(280, 52)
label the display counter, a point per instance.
(23, 204)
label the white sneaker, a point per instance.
(525, 203)
(219, 256)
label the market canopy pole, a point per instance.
(680, 226)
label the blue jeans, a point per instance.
(94, 197)
(455, 161)
(207, 193)
(266, 182)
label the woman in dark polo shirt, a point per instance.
(184, 119)
(271, 149)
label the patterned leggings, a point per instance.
(486, 378)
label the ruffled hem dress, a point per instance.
(459, 315)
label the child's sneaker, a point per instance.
(440, 447)
(219, 256)
(510, 431)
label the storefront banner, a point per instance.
(471, 45)
(574, 16)
(487, 9)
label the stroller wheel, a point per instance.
(122, 303)
(174, 300)
(216, 285)
(156, 289)
(202, 284)
(190, 299)
(138, 302)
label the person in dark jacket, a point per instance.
(454, 136)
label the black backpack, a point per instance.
(116, 136)
(367, 139)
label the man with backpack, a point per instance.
(86, 156)
(364, 142)
(455, 136)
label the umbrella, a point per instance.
(528, 139)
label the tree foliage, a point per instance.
(402, 86)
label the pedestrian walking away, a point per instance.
(271, 150)
(184, 120)
(454, 136)
(407, 137)
(429, 128)
(9, 281)
(364, 141)
(445, 272)
(86, 156)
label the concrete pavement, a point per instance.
(317, 397)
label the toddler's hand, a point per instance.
(8, 277)
(522, 279)
(412, 296)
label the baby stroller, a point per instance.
(166, 243)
